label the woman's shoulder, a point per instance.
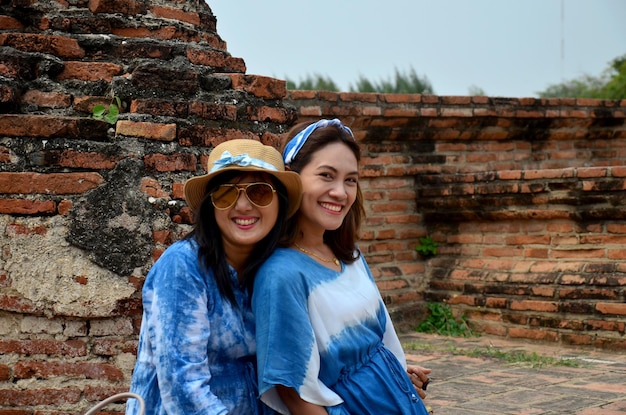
(280, 258)
(184, 246)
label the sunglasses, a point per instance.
(259, 194)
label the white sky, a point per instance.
(509, 48)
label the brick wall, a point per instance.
(85, 206)
(524, 196)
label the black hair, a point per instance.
(207, 234)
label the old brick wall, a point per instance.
(85, 206)
(524, 196)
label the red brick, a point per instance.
(9, 23)
(44, 370)
(530, 305)
(56, 45)
(5, 373)
(219, 60)
(34, 397)
(213, 111)
(26, 207)
(534, 334)
(612, 308)
(44, 126)
(64, 207)
(90, 71)
(176, 14)
(259, 86)
(153, 188)
(17, 304)
(148, 130)
(47, 99)
(131, 7)
(52, 183)
(69, 348)
(270, 114)
(169, 163)
(91, 160)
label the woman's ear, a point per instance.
(287, 168)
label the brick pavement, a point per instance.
(463, 384)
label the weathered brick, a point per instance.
(259, 86)
(148, 130)
(612, 308)
(168, 163)
(56, 45)
(44, 370)
(219, 60)
(69, 348)
(26, 207)
(213, 111)
(52, 183)
(47, 99)
(44, 126)
(10, 23)
(176, 14)
(131, 7)
(89, 71)
(33, 397)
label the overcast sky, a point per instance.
(510, 48)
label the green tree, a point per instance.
(315, 82)
(611, 84)
(401, 83)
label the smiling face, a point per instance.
(329, 183)
(244, 224)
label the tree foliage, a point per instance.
(611, 84)
(315, 82)
(401, 83)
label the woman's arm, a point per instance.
(296, 405)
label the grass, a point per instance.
(517, 357)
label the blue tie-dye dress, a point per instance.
(328, 335)
(196, 351)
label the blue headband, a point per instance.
(242, 160)
(295, 144)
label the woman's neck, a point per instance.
(237, 257)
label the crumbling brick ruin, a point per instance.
(524, 196)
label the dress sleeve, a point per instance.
(179, 329)
(287, 351)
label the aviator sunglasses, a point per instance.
(259, 194)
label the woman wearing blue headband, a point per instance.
(325, 342)
(196, 345)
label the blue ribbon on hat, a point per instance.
(242, 160)
(295, 144)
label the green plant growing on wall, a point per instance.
(442, 321)
(427, 247)
(109, 114)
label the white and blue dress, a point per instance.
(328, 335)
(196, 350)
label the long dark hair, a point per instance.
(209, 238)
(342, 240)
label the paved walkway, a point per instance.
(482, 376)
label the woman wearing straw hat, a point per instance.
(196, 346)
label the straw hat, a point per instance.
(245, 155)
